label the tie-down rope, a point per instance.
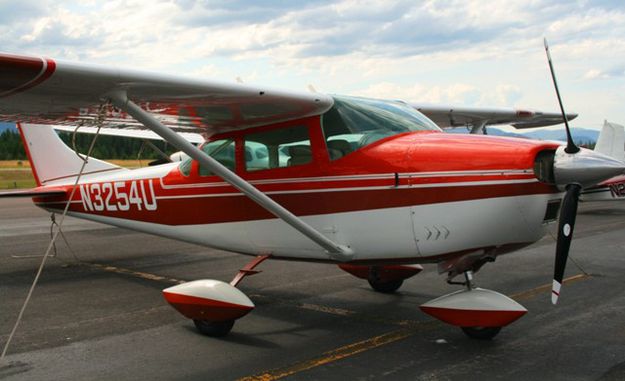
(56, 234)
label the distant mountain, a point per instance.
(6, 126)
(580, 135)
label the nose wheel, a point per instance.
(478, 333)
(213, 329)
(479, 313)
(481, 333)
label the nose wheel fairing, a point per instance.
(209, 300)
(475, 307)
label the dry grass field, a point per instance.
(16, 174)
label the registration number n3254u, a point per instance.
(118, 196)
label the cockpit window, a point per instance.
(221, 150)
(185, 166)
(353, 123)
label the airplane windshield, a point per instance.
(353, 123)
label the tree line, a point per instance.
(106, 147)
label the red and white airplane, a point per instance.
(369, 184)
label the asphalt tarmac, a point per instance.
(98, 313)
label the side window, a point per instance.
(340, 141)
(222, 151)
(185, 166)
(284, 147)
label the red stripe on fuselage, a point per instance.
(214, 207)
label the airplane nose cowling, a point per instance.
(586, 168)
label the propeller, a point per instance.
(566, 223)
(568, 209)
(574, 169)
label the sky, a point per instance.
(468, 53)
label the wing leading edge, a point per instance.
(41, 90)
(448, 116)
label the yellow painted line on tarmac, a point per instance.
(163, 279)
(410, 327)
(137, 274)
(377, 341)
(333, 355)
(326, 309)
(547, 287)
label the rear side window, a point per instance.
(284, 147)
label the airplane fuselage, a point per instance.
(412, 197)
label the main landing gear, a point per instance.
(213, 305)
(478, 312)
(384, 279)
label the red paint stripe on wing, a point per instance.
(20, 73)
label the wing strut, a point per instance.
(334, 250)
(478, 128)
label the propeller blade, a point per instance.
(566, 223)
(570, 144)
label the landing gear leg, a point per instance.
(479, 333)
(213, 305)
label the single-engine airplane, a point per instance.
(371, 185)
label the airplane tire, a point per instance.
(386, 287)
(481, 333)
(213, 329)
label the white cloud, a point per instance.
(471, 52)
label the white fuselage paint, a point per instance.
(405, 232)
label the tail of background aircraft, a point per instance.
(52, 161)
(611, 141)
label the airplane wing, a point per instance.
(191, 137)
(448, 116)
(45, 91)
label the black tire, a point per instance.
(213, 329)
(481, 333)
(386, 287)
